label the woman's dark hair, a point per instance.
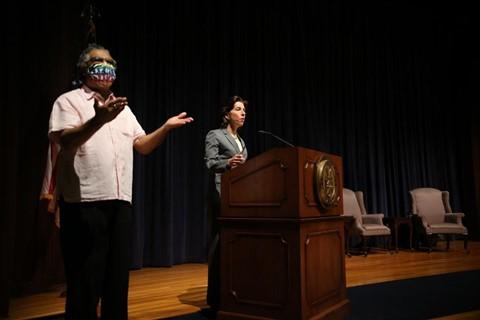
(224, 110)
(82, 63)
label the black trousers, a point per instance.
(95, 242)
(213, 289)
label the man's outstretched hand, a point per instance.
(178, 121)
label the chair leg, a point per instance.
(347, 240)
(447, 236)
(389, 243)
(364, 246)
(429, 243)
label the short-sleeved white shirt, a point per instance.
(101, 168)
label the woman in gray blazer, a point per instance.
(224, 150)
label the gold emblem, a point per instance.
(326, 183)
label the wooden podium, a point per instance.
(281, 248)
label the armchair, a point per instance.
(433, 213)
(365, 225)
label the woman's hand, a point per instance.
(236, 160)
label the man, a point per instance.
(97, 132)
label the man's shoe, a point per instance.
(209, 313)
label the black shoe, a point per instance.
(209, 313)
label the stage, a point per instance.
(159, 293)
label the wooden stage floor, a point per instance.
(158, 293)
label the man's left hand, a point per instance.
(178, 121)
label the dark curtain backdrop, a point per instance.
(390, 86)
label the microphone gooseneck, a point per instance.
(276, 137)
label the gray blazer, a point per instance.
(219, 147)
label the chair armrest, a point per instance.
(358, 224)
(375, 218)
(456, 214)
(378, 215)
(455, 217)
(423, 220)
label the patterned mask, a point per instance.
(102, 72)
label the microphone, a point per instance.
(276, 137)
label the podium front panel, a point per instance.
(279, 183)
(282, 269)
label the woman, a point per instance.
(224, 150)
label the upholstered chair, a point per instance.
(432, 210)
(365, 225)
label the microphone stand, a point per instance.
(276, 137)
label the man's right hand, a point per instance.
(106, 111)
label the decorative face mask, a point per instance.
(102, 72)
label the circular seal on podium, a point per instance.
(326, 184)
